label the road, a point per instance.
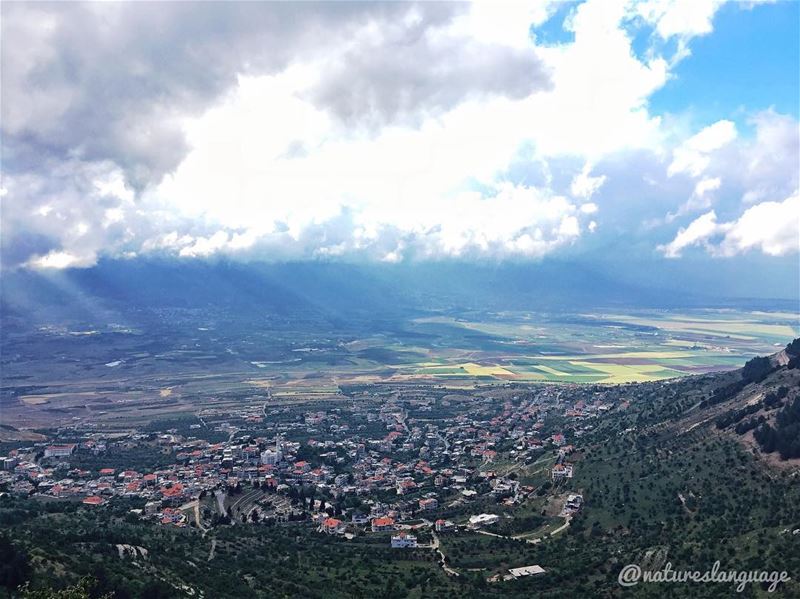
(264, 407)
(442, 562)
(567, 520)
(194, 506)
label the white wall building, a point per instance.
(483, 520)
(403, 541)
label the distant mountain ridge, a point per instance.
(336, 290)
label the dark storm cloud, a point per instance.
(112, 81)
(394, 78)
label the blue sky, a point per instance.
(603, 129)
(749, 63)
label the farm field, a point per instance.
(135, 376)
(606, 348)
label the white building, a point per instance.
(526, 571)
(403, 541)
(483, 520)
(574, 502)
(272, 457)
(59, 451)
(562, 471)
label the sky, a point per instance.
(659, 131)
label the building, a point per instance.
(271, 457)
(9, 463)
(561, 471)
(428, 504)
(359, 518)
(59, 451)
(332, 526)
(574, 502)
(382, 524)
(526, 571)
(403, 541)
(483, 520)
(443, 525)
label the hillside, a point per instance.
(674, 472)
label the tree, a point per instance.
(80, 590)
(757, 369)
(14, 565)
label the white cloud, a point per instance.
(680, 18)
(409, 131)
(59, 260)
(584, 185)
(707, 185)
(701, 198)
(771, 227)
(693, 155)
(699, 231)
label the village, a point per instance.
(396, 471)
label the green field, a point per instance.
(597, 348)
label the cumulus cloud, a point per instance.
(386, 76)
(585, 186)
(350, 130)
(114, 81)
(699, 231)
(771, 227)
(694, 155)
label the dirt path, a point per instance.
(436, 547)
(521, 537)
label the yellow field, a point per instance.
(623, 373)
(549, 370)
(479, 370)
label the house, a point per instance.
(359, 518)
(428, 504)
(483, 520)
(443, 525)
(574, 502)
(526, 571)
(403, 541)
(173, 495)
(94, 500)
(561, 471)
(382, 524)
(332, 526)
(405, 486)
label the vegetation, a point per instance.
(784, 437)
(666, 476)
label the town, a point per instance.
(405, 463)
